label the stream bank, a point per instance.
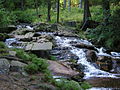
(65, 45)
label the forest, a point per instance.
(59, 44)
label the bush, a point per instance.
(3, 49)
(53, 58)
(41, 63)
(85, 85)
(23, 55)
(31, 68)
(68, 85)
(4, 19)
(109, 35)
(24, 16)
(37, 64)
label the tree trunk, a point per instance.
(58, 10)
(36, 7)
(49, 8)
(87, 14)
(69, 5)
(106, 11)
(64, 4)
(80, 3)
(22, 4)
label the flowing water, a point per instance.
(101, 80)
(91, 72)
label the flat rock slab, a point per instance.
(60, 68)
(39, 46)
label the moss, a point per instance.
(3, 49)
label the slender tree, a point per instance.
(69, 5)
(87, 13)
(58, 10)
(22, 4)
(106, 11)
(64, 4)
(80, 3)
(49, 8)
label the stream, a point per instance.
(101, 80)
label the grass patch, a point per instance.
(3, 49)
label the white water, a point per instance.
(90, 70)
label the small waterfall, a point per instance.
(90, 70)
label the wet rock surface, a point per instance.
(89, 61)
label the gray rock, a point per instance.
(39, 46)
(29, 35)
(4, 65)
(12, 53)
(17, 66)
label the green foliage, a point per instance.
(23, 55)
(68, 85)
(37, 64)
(109, 35)
(53, 58)
(97, 13)
(4, 19)
(31, 68)
(3, 49)
(85, 85)
(41, 63)
(26, 16)
(2, 46)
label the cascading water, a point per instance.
(90, 70)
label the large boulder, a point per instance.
(60, 68)
(17, 65)
(39, 46)
(26, 37)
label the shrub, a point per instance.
(2, 45)
(53, 58)
(23, 55)
(24, 16)
(68, 85)
(41, 63)
(38, 64)
(6, 18)
(109, 35)
(3, 49)
(31, 68)
(85, 85)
